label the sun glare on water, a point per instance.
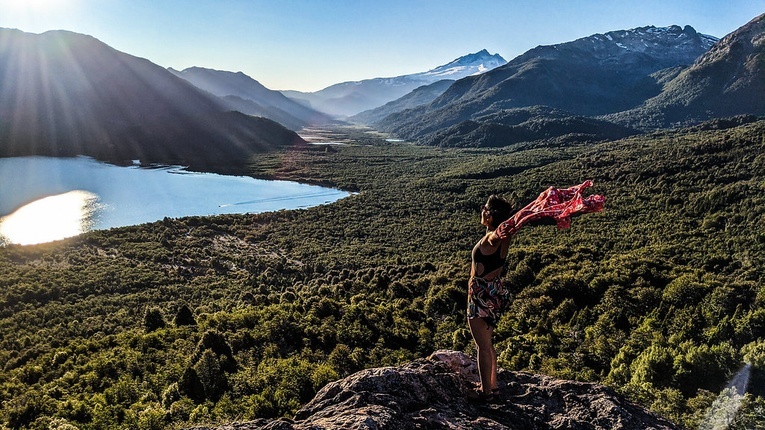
(50, 218)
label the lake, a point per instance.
(43, 199)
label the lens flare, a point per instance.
(50, 218)
(723, 410)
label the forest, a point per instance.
(236, 317)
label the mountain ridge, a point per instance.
(418, 97)
(598, 74)
(526, 126)
(728, 80)
(66, 94)
(245, 94)
(470, 64)
(352, 97)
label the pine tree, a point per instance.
(153, 319)
(184, 316)
(211, 375)
(191, 386)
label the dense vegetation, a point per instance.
(236, 317)
(520, 125)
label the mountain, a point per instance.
(525, 125)
(418, 97)
(241, 92)
(599, 74)
(728, 80)
(467, 65)
(66, 94)
(430, 394)
(350, 98)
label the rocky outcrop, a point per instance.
(431, 394)
(728, 80)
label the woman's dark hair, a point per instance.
(500, 210)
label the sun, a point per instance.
(31, 5)
(26, 10)
(39, 16)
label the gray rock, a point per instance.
(431, 394)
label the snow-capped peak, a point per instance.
(466, 65)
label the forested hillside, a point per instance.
(236, 317)
(64, 94)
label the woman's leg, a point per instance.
(487, 357)
(493, 366)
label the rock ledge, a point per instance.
(431, 394)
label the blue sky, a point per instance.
(310, 44)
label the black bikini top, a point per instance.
(490, 262)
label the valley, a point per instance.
(284, 302)
(197, 319)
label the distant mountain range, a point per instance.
(244, 94)
(594, 88)
(595, 75)
(65, 94)
(727, 80)
(349, 98)
(418, 97)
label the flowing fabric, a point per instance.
(555, 203)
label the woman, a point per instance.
(486, 293)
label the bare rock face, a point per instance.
(431, 394)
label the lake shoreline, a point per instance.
(45, 191)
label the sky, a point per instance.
(307, 45)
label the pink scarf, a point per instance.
(559, 204)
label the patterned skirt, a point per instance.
(486, 299)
